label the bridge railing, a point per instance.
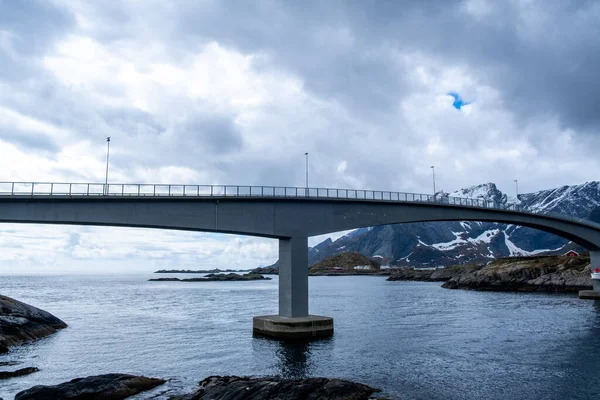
(112, 189)
(162, 190)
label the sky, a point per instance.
(236, 92)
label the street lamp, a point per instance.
(433, 172)
(107, 154)
(306, 156)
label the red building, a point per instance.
(571, 253)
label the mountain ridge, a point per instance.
(449, 243)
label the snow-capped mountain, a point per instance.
(447, 243)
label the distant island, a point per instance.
(199, 271)
(216, 277)
(347, 263)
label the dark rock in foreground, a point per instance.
(20, 323)
(234, 387)
(215, 277)
(528, 274)
(19, 372)
(108, 386)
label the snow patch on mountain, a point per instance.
(451, 244)
(485, 237)
(515, 250)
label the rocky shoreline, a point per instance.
(520, 274)
(21, 323)
(429, 275)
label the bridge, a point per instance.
(289, 214)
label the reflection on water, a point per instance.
(294, 359)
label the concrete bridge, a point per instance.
(289, 214)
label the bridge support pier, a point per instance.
(293, 320)
(593, 294)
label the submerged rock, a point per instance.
(234, 387)
(108, 386)
(20, 323)
(19, 372)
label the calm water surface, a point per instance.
(413, 340)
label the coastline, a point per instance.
(521, 274)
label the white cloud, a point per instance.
(46, 248)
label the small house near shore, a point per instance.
(571, 253)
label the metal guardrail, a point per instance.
(159, 190)
(112, 189)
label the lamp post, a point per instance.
(107, 154)
(433, 172)
(306, 156)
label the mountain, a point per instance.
(448, 243)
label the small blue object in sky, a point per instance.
(458, 101)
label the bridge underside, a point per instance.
(272, 217)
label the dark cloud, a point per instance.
(35, 23)
(30, 140)
(199, 141)
(30, 27)
(132, 122)
(543, 59)
(215, 134)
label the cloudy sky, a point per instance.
(235, 92)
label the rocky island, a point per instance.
(216, 278)
(199, 271)
(521, 274)
(270, 270)
(347, 263)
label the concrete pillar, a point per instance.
(293, 320)
(293, 277)
(595, 261)
(593, 294)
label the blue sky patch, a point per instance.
(458, 100)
